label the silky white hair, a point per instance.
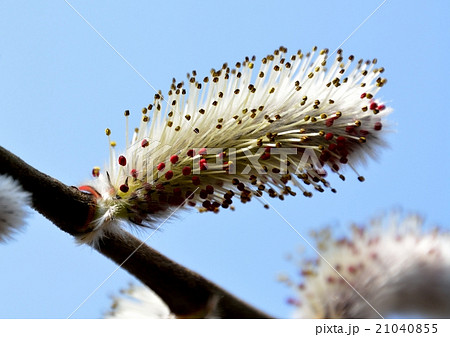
(393, 266)
(13, 202)
(138, 302)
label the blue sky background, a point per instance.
(61, 85)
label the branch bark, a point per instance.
(65, 206)
(186, 293)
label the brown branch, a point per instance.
(185, 292)
(65, 206)
(199, 297)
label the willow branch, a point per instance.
(185, 292)
(170, 280)
(65, 206)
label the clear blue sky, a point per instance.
(61, 85)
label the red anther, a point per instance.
(329, 136)
(134, 173)
(352, 269)
(124, 188)
(350, 129)
(325, 155)
(225, 166)
(203, 194)
(169, 174)
(122, 161)
(95, 172)
(206, 204)
(202, 151)
(343, 160)
(381, 107)
(160, 187)
(363, 95)
(144, 143)
(196, 180)
(343, 151)
(329, 122)
(336, 167)
(363, 132)
(377, 126)
(177, 192)
(186, 170)
(209, 189)
(161, 166)
(203, 164)
(191, 153)
(174, 159)
(332, 147)
(340, 139)
(189, 194)
(265, 156)
(373, 106)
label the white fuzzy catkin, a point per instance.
(397, 266)
(13, 203)
(138, 302)
(242, 133)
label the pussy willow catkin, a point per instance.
(391, 266)
(242, 133)
(13, 203)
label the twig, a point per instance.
(185, 292)
(65, 206)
